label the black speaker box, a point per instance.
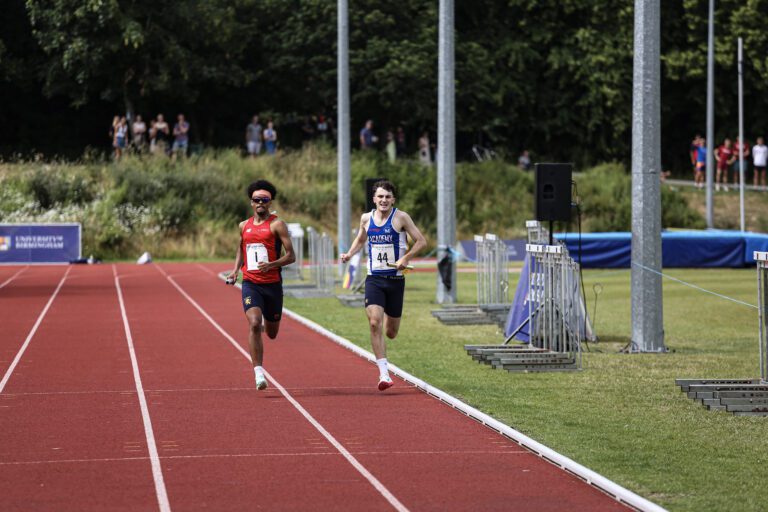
(369, 205)
(553, 192)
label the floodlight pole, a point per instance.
(741, 137)
(446, 152)
(342, 129)
(647, 310)
(710, 112)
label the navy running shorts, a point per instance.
(267, 297)
(387, 292)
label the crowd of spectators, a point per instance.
(158, 139)
(727, 159)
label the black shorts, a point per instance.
(387, 292)
(267, 297)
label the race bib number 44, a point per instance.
(255, 253)
(381, 255)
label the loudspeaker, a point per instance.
(369, 205)
(553, 192)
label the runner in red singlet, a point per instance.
(262, 239)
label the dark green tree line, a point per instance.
(554, 76)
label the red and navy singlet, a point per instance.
(260, 244)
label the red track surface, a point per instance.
(72, 436)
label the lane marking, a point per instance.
(248, 455)
(193, 390)
(352, 460)
(157, 470)
(31, 334)
(14, 276)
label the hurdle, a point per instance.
(491, 265)
(294, 270)
(741, 397)
(321, 280)
(556, 314)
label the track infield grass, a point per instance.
(622, 415)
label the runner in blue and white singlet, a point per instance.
(386, 245)
(385, 229)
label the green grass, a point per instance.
(622, 416)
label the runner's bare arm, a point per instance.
(419, 243)
(280, 230)
(232, 277)
(359, 240)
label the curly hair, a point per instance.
(262, 185)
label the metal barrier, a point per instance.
(761, 258)
(294, 270)
(321, 261)
(492, 271)
(555, 301)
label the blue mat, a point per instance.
(707, 249)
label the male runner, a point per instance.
(261, 239)
(385, 230)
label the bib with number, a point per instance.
(382, 255)
(255, 254)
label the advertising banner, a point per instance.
(39, 243)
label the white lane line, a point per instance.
(14, 276)
(352, 460)
(32, 332)
(261, 455)
(199, 390)
(157, 470)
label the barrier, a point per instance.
(742, 397)
(295, 270)
(40, 243)
(492, 271)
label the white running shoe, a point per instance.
(261, 383)
(385, 382)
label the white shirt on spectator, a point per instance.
(760, 154)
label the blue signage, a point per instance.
(39, 243)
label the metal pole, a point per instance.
(342, 125)
(741, 137)
(647, 307)
(446, 152)
(710, 111)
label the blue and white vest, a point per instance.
(386, 245)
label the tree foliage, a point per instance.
(553, 76)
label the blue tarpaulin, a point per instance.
(705, 249)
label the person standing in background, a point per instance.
(139, 129)
(162, 134)
(180, 136)
(736, 175)
(724, 157)
(253, 137)
(270, 138)
(760, 156)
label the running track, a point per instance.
(126, 387)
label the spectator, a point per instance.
(322, 128)
(424, 155)
(152, 136)
(701, 162)
(162, 134)
(724, 156)
(760, 155)
(121, 137)
(391, 148)
(367, 138)
(253, 136)
(270, 138)
(400, 142)
(139, 130)
(115, 122)
(736, 170)
(307, 130)
(524, 162)
(693, 151)
(180, 136)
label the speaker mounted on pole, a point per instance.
(553, 193)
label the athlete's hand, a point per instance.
(264, 266)
(231, 278)
(344, 257)
(402, 264)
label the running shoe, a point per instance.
(385, 383)
(261, 383)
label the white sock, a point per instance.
(382, 364)
(258, 371)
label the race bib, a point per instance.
(255, 253)
(381, 255)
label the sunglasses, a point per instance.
(261, 200)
